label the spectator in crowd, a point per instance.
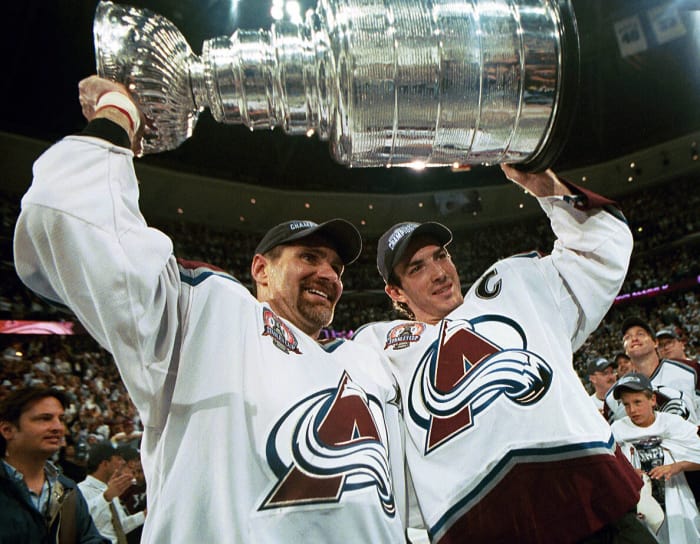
(602, 375)
(134, 498)
(38, 505)
(670, 346)
(676, 448)
(198, 353)
(493, 407)
(674, 382)
(623, 363)
(127, 436)
(108, 477)
(69, 462)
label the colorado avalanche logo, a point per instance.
(327, 445)
(282, 336)
(462, 373)
(401, 336)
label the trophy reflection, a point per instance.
(386, 82)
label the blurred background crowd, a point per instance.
(661, 287)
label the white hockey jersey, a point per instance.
(503, 442)
(253, 431)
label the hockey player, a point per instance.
(678, 453)
(674, 381)
(254, 432)
(503, 443)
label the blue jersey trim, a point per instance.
(202, 276)
(332, 345)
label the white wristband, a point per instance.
(122, 103)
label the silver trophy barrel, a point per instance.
(447, 82)
(388, 82)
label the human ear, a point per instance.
(7, 429)
(395, 293)
(258, 269)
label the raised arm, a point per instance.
(591, 254)
(81, 241)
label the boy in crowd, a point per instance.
(677, 451)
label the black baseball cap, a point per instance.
(634, 381)
(341, 233)
(393, 243)
(599, 365)
(666, 333)
(636, 322)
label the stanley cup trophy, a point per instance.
(651, 454)
(387, 82)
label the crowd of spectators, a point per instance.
(100, 409)
(666, 253)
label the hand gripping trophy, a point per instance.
(387, 82)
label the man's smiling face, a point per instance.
(303, 283)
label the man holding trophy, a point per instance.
(309, 440)
(254, 431)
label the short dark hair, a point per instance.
(102, 451)
(621, 355)
(16, 403)
(128, 453)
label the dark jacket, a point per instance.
(22, 523)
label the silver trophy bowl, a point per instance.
(386, 82)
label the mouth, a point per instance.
(318, 293)
(447, 288)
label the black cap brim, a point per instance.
(637, 322)
(345, 237)
(342, 234)
(631, 382)
(592, 368)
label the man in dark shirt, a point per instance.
(37, 504)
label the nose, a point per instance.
(58, 425)
(437, 271)
(327, 271)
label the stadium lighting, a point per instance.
(277, 10)
(286, 9)
(417, 166)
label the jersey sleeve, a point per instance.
(588, 263)
(82, 241)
